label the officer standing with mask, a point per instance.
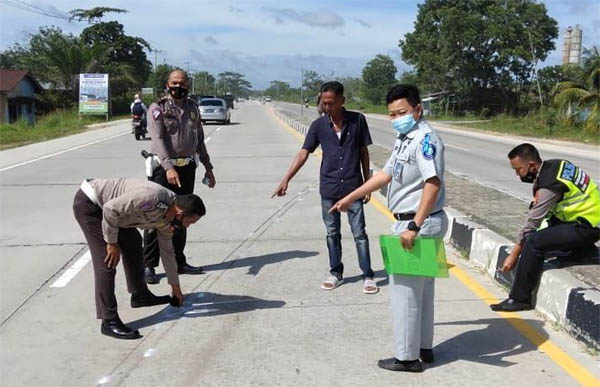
(570, 201)
(416, 195)
(174, 123)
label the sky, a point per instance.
(268, 39)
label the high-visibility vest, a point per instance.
(581, 198)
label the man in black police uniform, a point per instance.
(174, 123)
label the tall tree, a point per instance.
(57, 58)
(93, 15)
(204, 83)
(158, 77)
(352, 88)
(378, 76)
(585, 93)
(126, 63)
(474, 46)
(312, 84)
(234, 83)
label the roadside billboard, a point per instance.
(93, 94)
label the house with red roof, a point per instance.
(17, 96)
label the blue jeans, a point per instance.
(356, 219)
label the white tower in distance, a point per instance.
(572, 45)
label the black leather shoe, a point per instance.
(150, 276)
(393, 364)
(115, 328)
(426, 355)
(510, 305)
(148, 299)
(189, 269)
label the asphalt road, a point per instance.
(480, 156)
(258, 317)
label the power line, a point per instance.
(34, 9)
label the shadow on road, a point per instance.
(488, 345)
(256, 263)
(204, 304)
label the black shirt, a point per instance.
(340, 167)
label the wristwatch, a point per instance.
(412, 226)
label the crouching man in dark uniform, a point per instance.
(569, 199)
(108, 212)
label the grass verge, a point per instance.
(56, 124)
(534, 125)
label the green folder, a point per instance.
(426, 259)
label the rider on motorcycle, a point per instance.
(138, 108)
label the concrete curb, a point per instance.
(561, 298)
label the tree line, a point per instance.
(480, 57)
(56, 59)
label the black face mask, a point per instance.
(178, 92)
(529, 177)
(177, 224)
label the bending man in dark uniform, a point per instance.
(108, 212)
(569, 199)
(175, 126)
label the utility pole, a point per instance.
(302, 92)
(156, 51)
(535, 69)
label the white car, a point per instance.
(215, 109)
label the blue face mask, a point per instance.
(404, 124)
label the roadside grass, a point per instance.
(56, 124)
(535, 125)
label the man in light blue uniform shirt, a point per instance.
(416, 195)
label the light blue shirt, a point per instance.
(417, 157)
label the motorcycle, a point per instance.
(138, 126)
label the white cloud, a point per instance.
(322, 18)
(324, 36)
(210, 40)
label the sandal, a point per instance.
(369, 286)
(331, 283)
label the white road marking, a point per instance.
(207, 139)
(103, 380)
(150, 352)
(61, 152)
(457, 147)
(72, 271)
(219, 128)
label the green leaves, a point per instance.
(379, 75)
(466, 45)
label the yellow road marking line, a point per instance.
(557, 355)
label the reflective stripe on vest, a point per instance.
(582, 200)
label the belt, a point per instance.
(411, 215)
(182, 161)
(88, 190)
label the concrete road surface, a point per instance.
(258, 317)
(478, 155)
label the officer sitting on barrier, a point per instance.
(570, 201)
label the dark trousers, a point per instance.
(187, 177)
(89, 217)
(558, 237)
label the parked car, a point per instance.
(267, 99)
(215, 109)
